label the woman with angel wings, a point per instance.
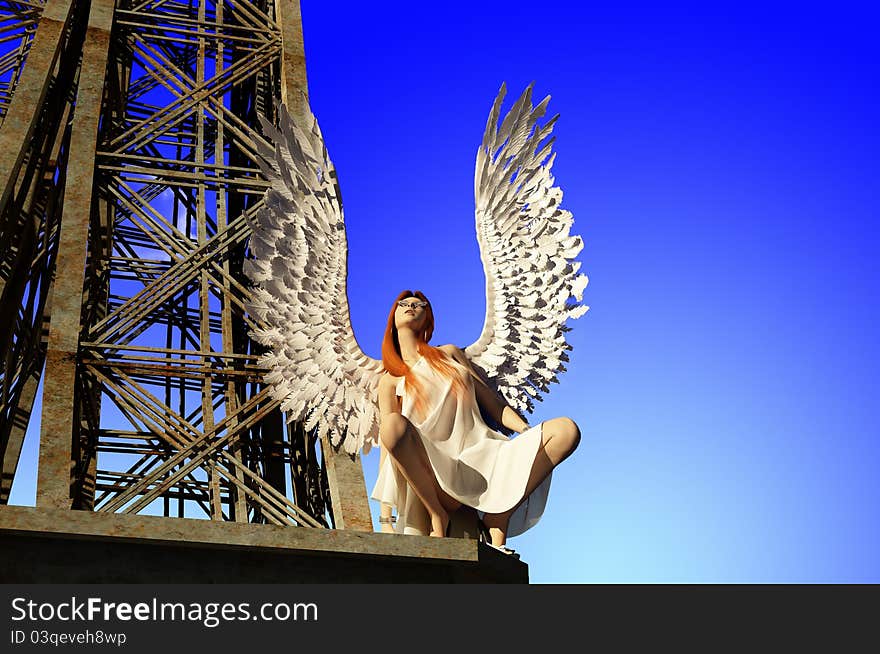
(440, 453)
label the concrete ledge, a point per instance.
(58, 546)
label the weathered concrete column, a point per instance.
(294, 85)
(348, 491)
(345, 474)
(60, 381)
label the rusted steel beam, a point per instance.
(308, 478)
(54, 483)
(193, 448)
(165, 350)
(239, 508)
(171, 115)
(193, 372)
(21, 23)
(28, 239)
(21, 118)
(193, 288)
(163, 20)
(24, 348)
(16, 429)
(134, 310)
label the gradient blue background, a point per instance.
(721, 166)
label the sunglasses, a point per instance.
(413, 305)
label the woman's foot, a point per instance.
(497, 536)
(439, 524)
(496, 525)
(505, 550)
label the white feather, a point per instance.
(299, 273)
(526, 247)
(300, 304)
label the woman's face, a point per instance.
(410, 312)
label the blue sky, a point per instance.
(721, 166)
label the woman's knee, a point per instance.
(392, 431)
(567, 432)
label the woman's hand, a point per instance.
(512, 420)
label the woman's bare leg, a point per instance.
(404, 446)
(559, 438)
(385, 511)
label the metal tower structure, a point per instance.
(126, 164)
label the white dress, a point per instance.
(476, 465)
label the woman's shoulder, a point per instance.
(390, 384)
(387, 379)
(453, 351)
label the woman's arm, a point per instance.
(512, 420)
(387, 397)
(488, 398)
(387, 405)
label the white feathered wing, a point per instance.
(316, 367)
(527, 252)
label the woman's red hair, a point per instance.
(435, 357)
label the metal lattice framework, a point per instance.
(18, 22)
(123, 227)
